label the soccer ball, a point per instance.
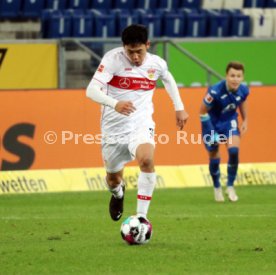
(136, 230)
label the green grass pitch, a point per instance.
(71, 233)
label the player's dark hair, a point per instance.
(135, 34)
(235, 65)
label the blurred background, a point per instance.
(196, 37)
(50, 49)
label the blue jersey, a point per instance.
(223, 104)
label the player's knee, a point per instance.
(214, 154)
(146, 163)
(233, 153)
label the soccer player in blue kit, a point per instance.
(219, 121)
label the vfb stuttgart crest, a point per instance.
(151, 73)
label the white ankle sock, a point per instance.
(146, 183)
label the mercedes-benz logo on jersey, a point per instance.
(124, 83)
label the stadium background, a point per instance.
(34, 76)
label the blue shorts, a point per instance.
(225, 129)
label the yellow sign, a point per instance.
(92, 179)
(28, 66)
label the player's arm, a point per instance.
(172, 90)
(95, 92)
(204, 109)
(243, 111)
(206, 123)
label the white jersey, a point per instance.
(127, 82)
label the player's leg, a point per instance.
(114, 182)
(115, 156)
(214, 162)
(212, 147)
(116, 186)
(147, 177)
(232, 167)
(142, 147)
(214, 169)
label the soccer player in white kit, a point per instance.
(124, 84)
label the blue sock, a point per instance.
(214, 171)
(233, 163)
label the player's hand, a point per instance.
(181, 118)
(244, 127)
(125, 107)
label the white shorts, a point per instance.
(119, 150)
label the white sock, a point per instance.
(117, 192)
(146, 183)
